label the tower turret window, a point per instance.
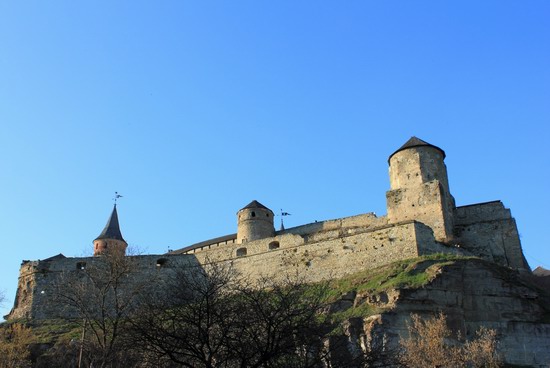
(253, 214)
(81, 266)
(241, 252)
(274, 245)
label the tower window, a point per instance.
(274, 245)
(81, 266)
(253, 214)
(241, 252)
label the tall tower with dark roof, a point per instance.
(419, 188)
(110, 240)
(254, 221)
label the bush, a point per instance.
(431, 344)
(14, 346)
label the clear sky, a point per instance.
(191, 109)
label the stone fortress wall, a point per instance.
(335, 248)
(40, 281)
(489, 231)
(422, 219)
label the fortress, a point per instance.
(421, 219)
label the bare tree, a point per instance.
(102, 294)
(431, 344)
(279, 324)
(216, 318)
(190, 326)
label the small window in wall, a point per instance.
(253, 214)
(81, 266)
(161, 262)
(241, 252)
(274, 245)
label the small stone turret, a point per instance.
(254, 221)
(110, 240)
(420, 188)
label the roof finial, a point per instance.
(117, 196)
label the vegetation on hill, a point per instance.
(407, 274)
(411, 273)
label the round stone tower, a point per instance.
(415, 163)
(254, 221)
(420, 188)
(110, 240)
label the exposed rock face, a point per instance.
(471, 293)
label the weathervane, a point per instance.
(117, 196)
(283, 214)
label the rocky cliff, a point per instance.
(470, 292)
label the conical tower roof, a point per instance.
(416, 142)
(112, 229)
(255, 204)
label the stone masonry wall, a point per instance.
(426, 203)
(488, 230)
(330, 254)
(420, 190)
(41, 281)
(366, 221)
(326, 254)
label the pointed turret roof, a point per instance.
(255, 204)
(416, 142)
(112, 229)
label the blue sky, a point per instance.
(191, 109)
